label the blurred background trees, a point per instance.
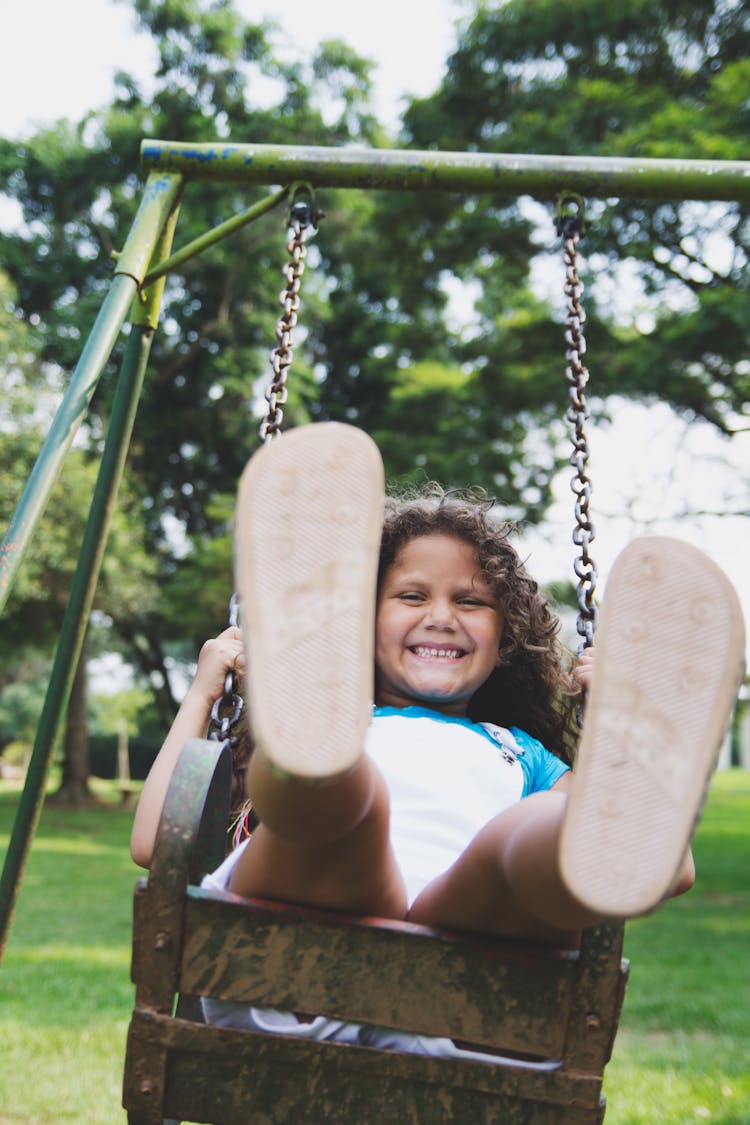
(430, 319)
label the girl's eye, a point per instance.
(410, 596)
(471, 601)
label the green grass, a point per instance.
(683, 1051)
(65, 991)
(682, 1055)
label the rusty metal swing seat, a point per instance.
(546, 1017)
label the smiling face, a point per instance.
(438, 626)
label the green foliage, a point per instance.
(33, 616)
(78, 188)
(639, 80)
(20, 707)
(124, 708)
(478, 404)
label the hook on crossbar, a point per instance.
(570, 215)
(303, 210)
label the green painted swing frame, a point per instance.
(592, 1004)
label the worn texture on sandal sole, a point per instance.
(669, 653)
(309, 518)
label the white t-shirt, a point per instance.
(447, 777)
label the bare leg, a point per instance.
(324, 845)
(307, 555)
(507, 882)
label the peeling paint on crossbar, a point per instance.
(505, 174)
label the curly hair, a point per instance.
(533, 686)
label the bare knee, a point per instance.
(507, 882)
(301, 812)
(334, 856)
(527, 836)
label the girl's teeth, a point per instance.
(448, 654)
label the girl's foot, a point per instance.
(669, 652)
(309, 517)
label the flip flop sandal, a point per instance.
(668, 661)
(308, 524)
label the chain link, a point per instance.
(226, 713)
(227, 709)
(281, 356)
(576, 373)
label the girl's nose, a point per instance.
(440, 615)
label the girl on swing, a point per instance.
(451, 802)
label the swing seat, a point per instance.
(550, 1016)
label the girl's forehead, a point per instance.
(437, 549)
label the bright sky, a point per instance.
(58, 59)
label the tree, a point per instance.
(464, 405)
(639, 80)
(78, 188)
(33, 618)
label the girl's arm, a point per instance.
(217, 657)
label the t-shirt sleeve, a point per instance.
(541, 769)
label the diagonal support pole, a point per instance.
(158, 200)
(70, 643)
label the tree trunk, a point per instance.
(147, 652)
(74, 788)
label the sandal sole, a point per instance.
(669, 657)
(308, 526)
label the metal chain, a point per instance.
(570, 226)
(228, 708)
(301, 218)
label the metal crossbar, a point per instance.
(406, 170)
